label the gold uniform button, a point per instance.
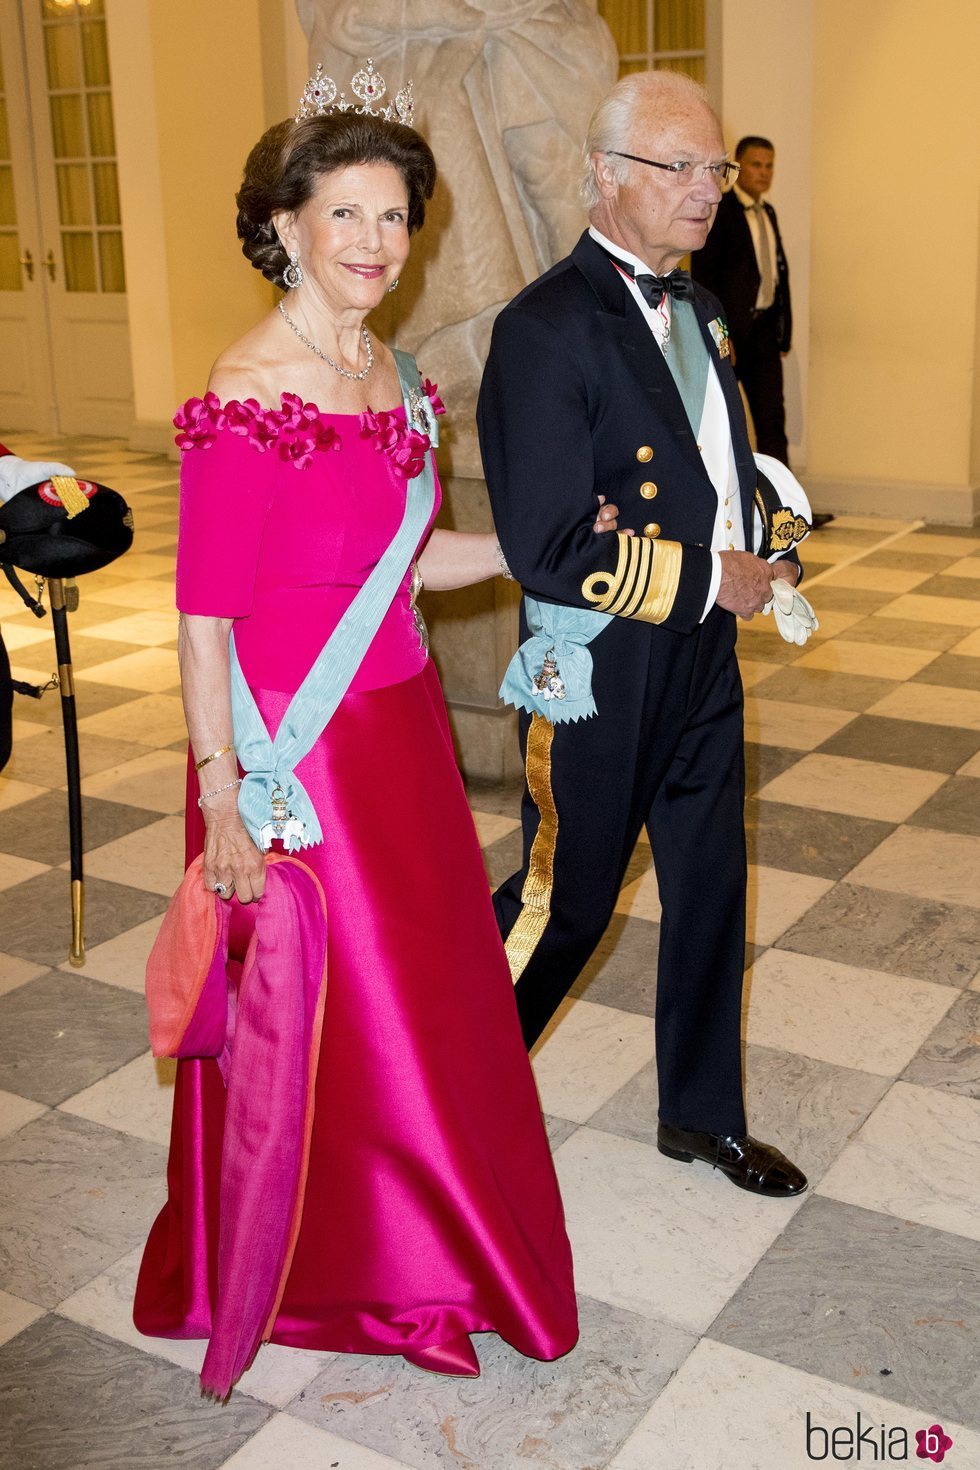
(728, 525)
(648, 490)
(652, 530)
(644, 454)
(731, 545)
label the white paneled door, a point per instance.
(64, 338)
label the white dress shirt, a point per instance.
(756, 219)
(714, 436)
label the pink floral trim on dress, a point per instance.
(405, 446)
(297, 430)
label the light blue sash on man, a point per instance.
(270, 765)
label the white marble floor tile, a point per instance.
(155, 780)
(968, 567)
(667, 1240)
(155, 626)
(23, 635)
(18, 870)
(827, 547)
(836, 783)
(917, 1157)
(928, 864)
(106, 1304)
(16, 1111)
(970, 767)
(832, 621)
(915, 608)
(144, 596)
(795, 726)
(490, 827)
(726, 1409)
(12, 792)
(641, 898)
(15, 971)
(140, 564)
(121, 961)
(154, 670)
(935, 543)
(970, 645)
(876, 660)
(588, 1053)
(136, 1099)
(753, 671)
(876, 579)
(776, 899)
(293, 1445)
(934, 704)
(15, 1315)
(156, 720)
(148, 539)
(151, 858)
(884, 524)
(842, 1014)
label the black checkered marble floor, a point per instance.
(717, 1329)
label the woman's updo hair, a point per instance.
(287, 163)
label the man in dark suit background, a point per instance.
(743, 263)
(610, 375)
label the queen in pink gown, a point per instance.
(431, 1208)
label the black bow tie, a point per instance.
(653, 289)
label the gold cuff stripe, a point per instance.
(644, 584)
(535, 912)
(643, 576)
(662, 590)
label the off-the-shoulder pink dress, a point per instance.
(431, 1207)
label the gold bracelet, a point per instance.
(213, 756)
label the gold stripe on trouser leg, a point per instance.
(535, 912)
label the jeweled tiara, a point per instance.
(320, 97)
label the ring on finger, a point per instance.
(221, 889)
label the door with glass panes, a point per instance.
(64, 340)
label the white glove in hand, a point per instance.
(18, 474)
(795, 618)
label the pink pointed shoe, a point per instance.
(454, 1359)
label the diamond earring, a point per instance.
(292, 276)
(394, 285)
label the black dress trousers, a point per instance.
(666, 752)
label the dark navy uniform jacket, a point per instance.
(578, 401)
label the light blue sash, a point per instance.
(687, 359)
(561, 635)
(271, 789)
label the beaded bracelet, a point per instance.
(206, 760)
(228, 786)
(505, 570)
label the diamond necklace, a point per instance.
(344, 372)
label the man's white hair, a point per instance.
(612, 122)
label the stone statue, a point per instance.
(504, 91)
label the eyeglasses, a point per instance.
(685, 174)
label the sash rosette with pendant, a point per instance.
(551, 672)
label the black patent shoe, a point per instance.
(757, 1167)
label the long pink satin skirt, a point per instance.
(432, 1207)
